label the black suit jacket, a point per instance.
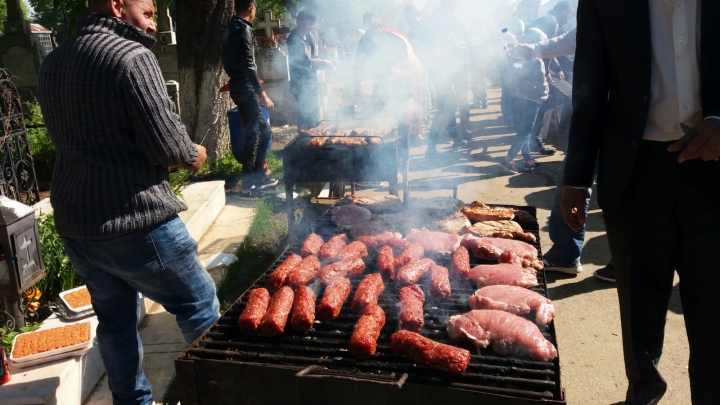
(611, 89)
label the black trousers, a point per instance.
(667, 221)
(257, 133)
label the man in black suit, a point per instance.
(643, 68)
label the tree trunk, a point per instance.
(200, 25)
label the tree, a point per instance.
(59, 15)
(3, 13)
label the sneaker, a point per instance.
(607, 273)
(459, 143)
(266, 183)
(529, 166)
(545, 150)
(508, 167)
(562, 269)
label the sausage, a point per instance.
(411, 300)
(439, 282)
(421, 350)
(412, 273)
(278, 277)
(363, 342)
(312, 245)
(333, 246)
(368, 292)
(333, 300)
(413, 253)
(353, 250)
(304, 272)
(386, 263)
(332, 272)
(273, 323)
(374, 243)
(255, 308)
(398, 245)
(303, 315)
(461, 262)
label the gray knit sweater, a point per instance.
(115, 131)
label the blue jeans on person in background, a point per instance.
(162, 264)
(528, 112)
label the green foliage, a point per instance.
(276, 6)
(223, 167)
(4, 11)
(41, 146)
(178, 180)
(60, 275)
(7, 336)
(59, 15)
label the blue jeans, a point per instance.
(162, 264)
(527, 111)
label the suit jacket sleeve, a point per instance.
(590, 98)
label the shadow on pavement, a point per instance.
(440, 183)
(585, 286)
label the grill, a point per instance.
(226, 367)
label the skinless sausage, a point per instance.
(304, 272)
(273, 323)
(411, 300)
(386, 263)
(363, 342)
(333, 300)
(257, 305)
(368, 292)
(278, 277)
(303, 315)
(312, 245)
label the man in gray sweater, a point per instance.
(116, 134)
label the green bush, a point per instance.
(60, 275)
(41, 147)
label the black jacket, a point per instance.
(611, 89)
(301, 51)
(238, 56)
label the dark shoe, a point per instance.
(508, 167)
(607, 273)
(266, 183)
(545, 150)
(529, 166)
(432, 152)
(459, 144)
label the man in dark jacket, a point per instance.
(116, 134)
(238, 44)
(647, 114)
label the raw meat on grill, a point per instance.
(278, 277)
(304, 272)
(478, 212)
(434, 241)
(333, 247)
(303, 315)
(429, 353)
(439, 282)
(255, 308)
(413, 253)
(363, 342)
(515, 300)
(386, 263)
(368, 292)
(312, 245)
(508, 334)
(349, 215)
(332, 272)
(499, 229)
(353, 250)
(454, 224)
(376, 205)
(412, 299)
(461, 262)
(333, 300)
(412, 273)
(374, 227)
(273, 323)
(504, 251)
(503, 274)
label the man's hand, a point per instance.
(561, 75)
(550, 78)
(202, 156)
(521, 51)
(266, 102)
(704, 145)
(572, 205)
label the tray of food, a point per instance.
(46, 343)
(61, 356)
(77, 300)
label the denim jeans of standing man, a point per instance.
(162, 264)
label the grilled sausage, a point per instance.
(273, 323)
(461, 262)
(386, 263)
(368, 292)
(278, 277)
(330, 273)
(312, 245)
(439, 282)
(333, 246)
(413, 253)
(424, 351)
(353, 250)
(333, 300)
(363, 342)
(304, 272)
(412, 273)
(255, 308)
(411, 300)
(303, 315)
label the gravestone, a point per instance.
(269, 27)
(166, 53)
(274, 65)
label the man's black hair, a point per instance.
(305, 15)
(368, 18)
(244, 5)
(563, 6)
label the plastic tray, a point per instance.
(50, 359)
(67, 305)
(50, 353)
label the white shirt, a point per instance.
(675, 97)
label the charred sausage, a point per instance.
(424, 351)
(411, 300)
(303, 315)
(363, 342)
(386, 263)
(368, 292)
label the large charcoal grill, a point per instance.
(226, 367)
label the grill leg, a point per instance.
(290, 206)
(352, 188)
